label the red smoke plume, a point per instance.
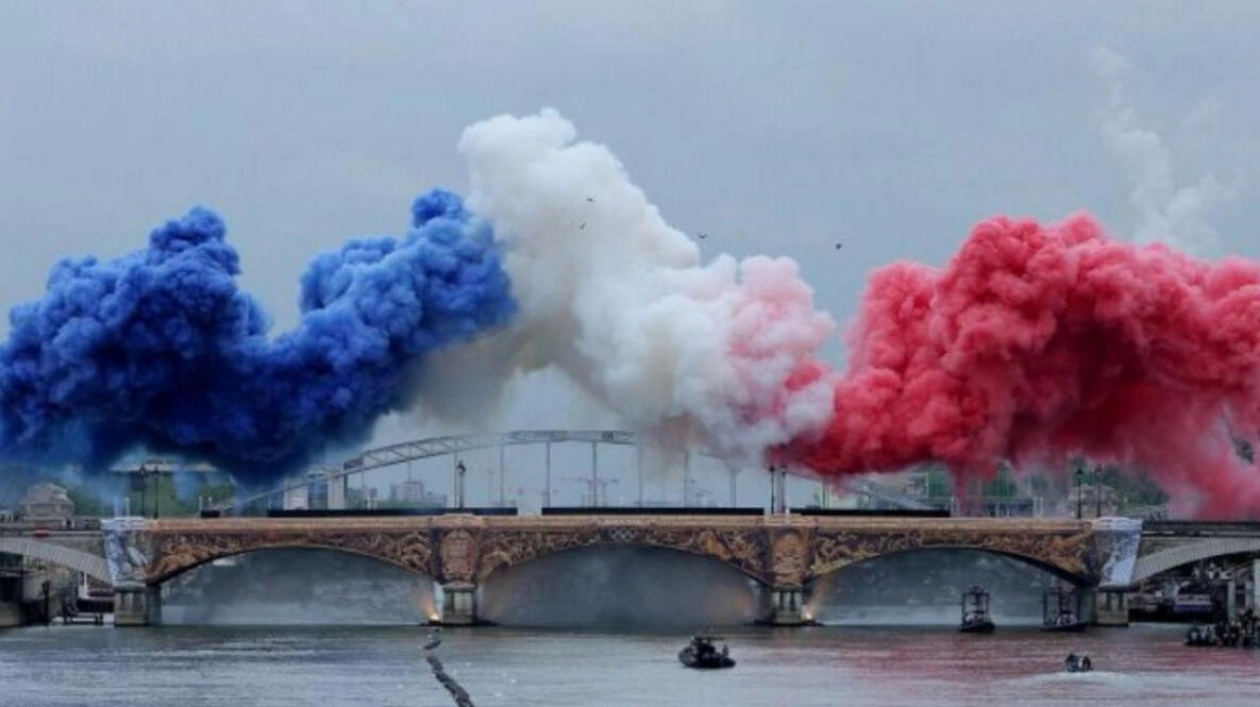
(1037, 343)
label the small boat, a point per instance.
(1075, 664)
(1059, 610)
(975, 612)
(1064, 623)
(702, 655)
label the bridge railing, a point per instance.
(1197, 527)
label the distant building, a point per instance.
(295, 499)
(413, 493)
(46, 503)
(317, 492)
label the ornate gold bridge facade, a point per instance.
(784, 553)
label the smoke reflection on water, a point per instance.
(295, 587)
(621, 585)
(924, 588)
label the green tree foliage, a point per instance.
(1135, 489)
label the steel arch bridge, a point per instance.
(455, 445)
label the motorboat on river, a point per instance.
(975, 612)
(701, 654)
(1078, 664)
(1059, 610)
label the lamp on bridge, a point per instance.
(142, 476)
(1097, 491)
(1080, 477)
(460, 470)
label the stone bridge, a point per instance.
(785, 553)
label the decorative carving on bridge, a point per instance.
(459, 556)
(742, 548)
(1065, 551)
(777, 551)
(789, 562)
(174, 553)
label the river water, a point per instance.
(281, 666)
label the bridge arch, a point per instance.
(183, 555)
(821, 573)
(493, 567)
(1184, 554)
(622, 584)
(93, 566)
(742, 550)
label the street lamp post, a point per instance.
(459, 483)
(143, 473)
(773, 505)
(1080, 477)
(1097, 492)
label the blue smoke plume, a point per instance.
(160, 349)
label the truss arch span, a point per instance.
(452, 445)
(1182, 554)
(93, 566)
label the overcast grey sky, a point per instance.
(777, 127)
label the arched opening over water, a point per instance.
(924, 588)
(298, 586)
(622, 585)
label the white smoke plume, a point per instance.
(621, 303)
(1178, 215)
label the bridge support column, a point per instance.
(459, 607)
(137, 605)
(787, 605)
(1255, 585)
(1111, 607)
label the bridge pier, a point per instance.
(787, 606)
(1110, 607)
(1255, 585)
(137, 605)
(459, 604)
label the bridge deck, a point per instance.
(395, 523)
(1196, 527)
